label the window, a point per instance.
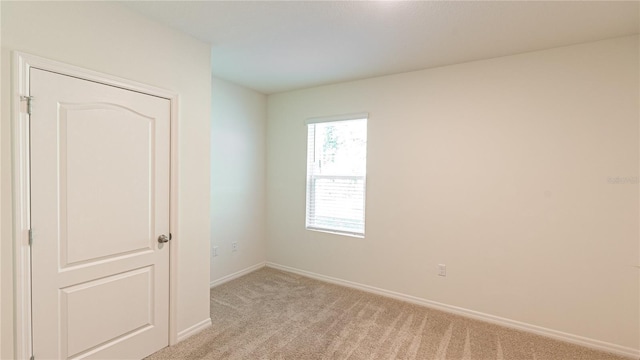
(336, 174)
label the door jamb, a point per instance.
(22, 63)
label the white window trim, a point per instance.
(337, 118)
(333, 118)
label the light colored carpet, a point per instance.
(271, 314)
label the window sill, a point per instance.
(336, 232)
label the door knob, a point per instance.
(163, 239)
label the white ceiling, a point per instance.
(278, 46)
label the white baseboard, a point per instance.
(192, 330)
(554, 334)
(237, 274)
(207, 322)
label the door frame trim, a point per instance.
(22, 63)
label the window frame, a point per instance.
(311, 178)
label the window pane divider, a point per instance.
(345, 177)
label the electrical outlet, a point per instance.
(214, 251)
(442, 270)
(234, 246)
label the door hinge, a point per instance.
(30, 237)
(170, 236)
(29, 100)
(32, 358)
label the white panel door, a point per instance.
(99, 203)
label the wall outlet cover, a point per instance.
(442, 270)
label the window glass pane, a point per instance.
(341, 147)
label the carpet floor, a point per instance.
(271, 314)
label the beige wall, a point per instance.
(501, 169)
(238, 134)
(109, 38)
